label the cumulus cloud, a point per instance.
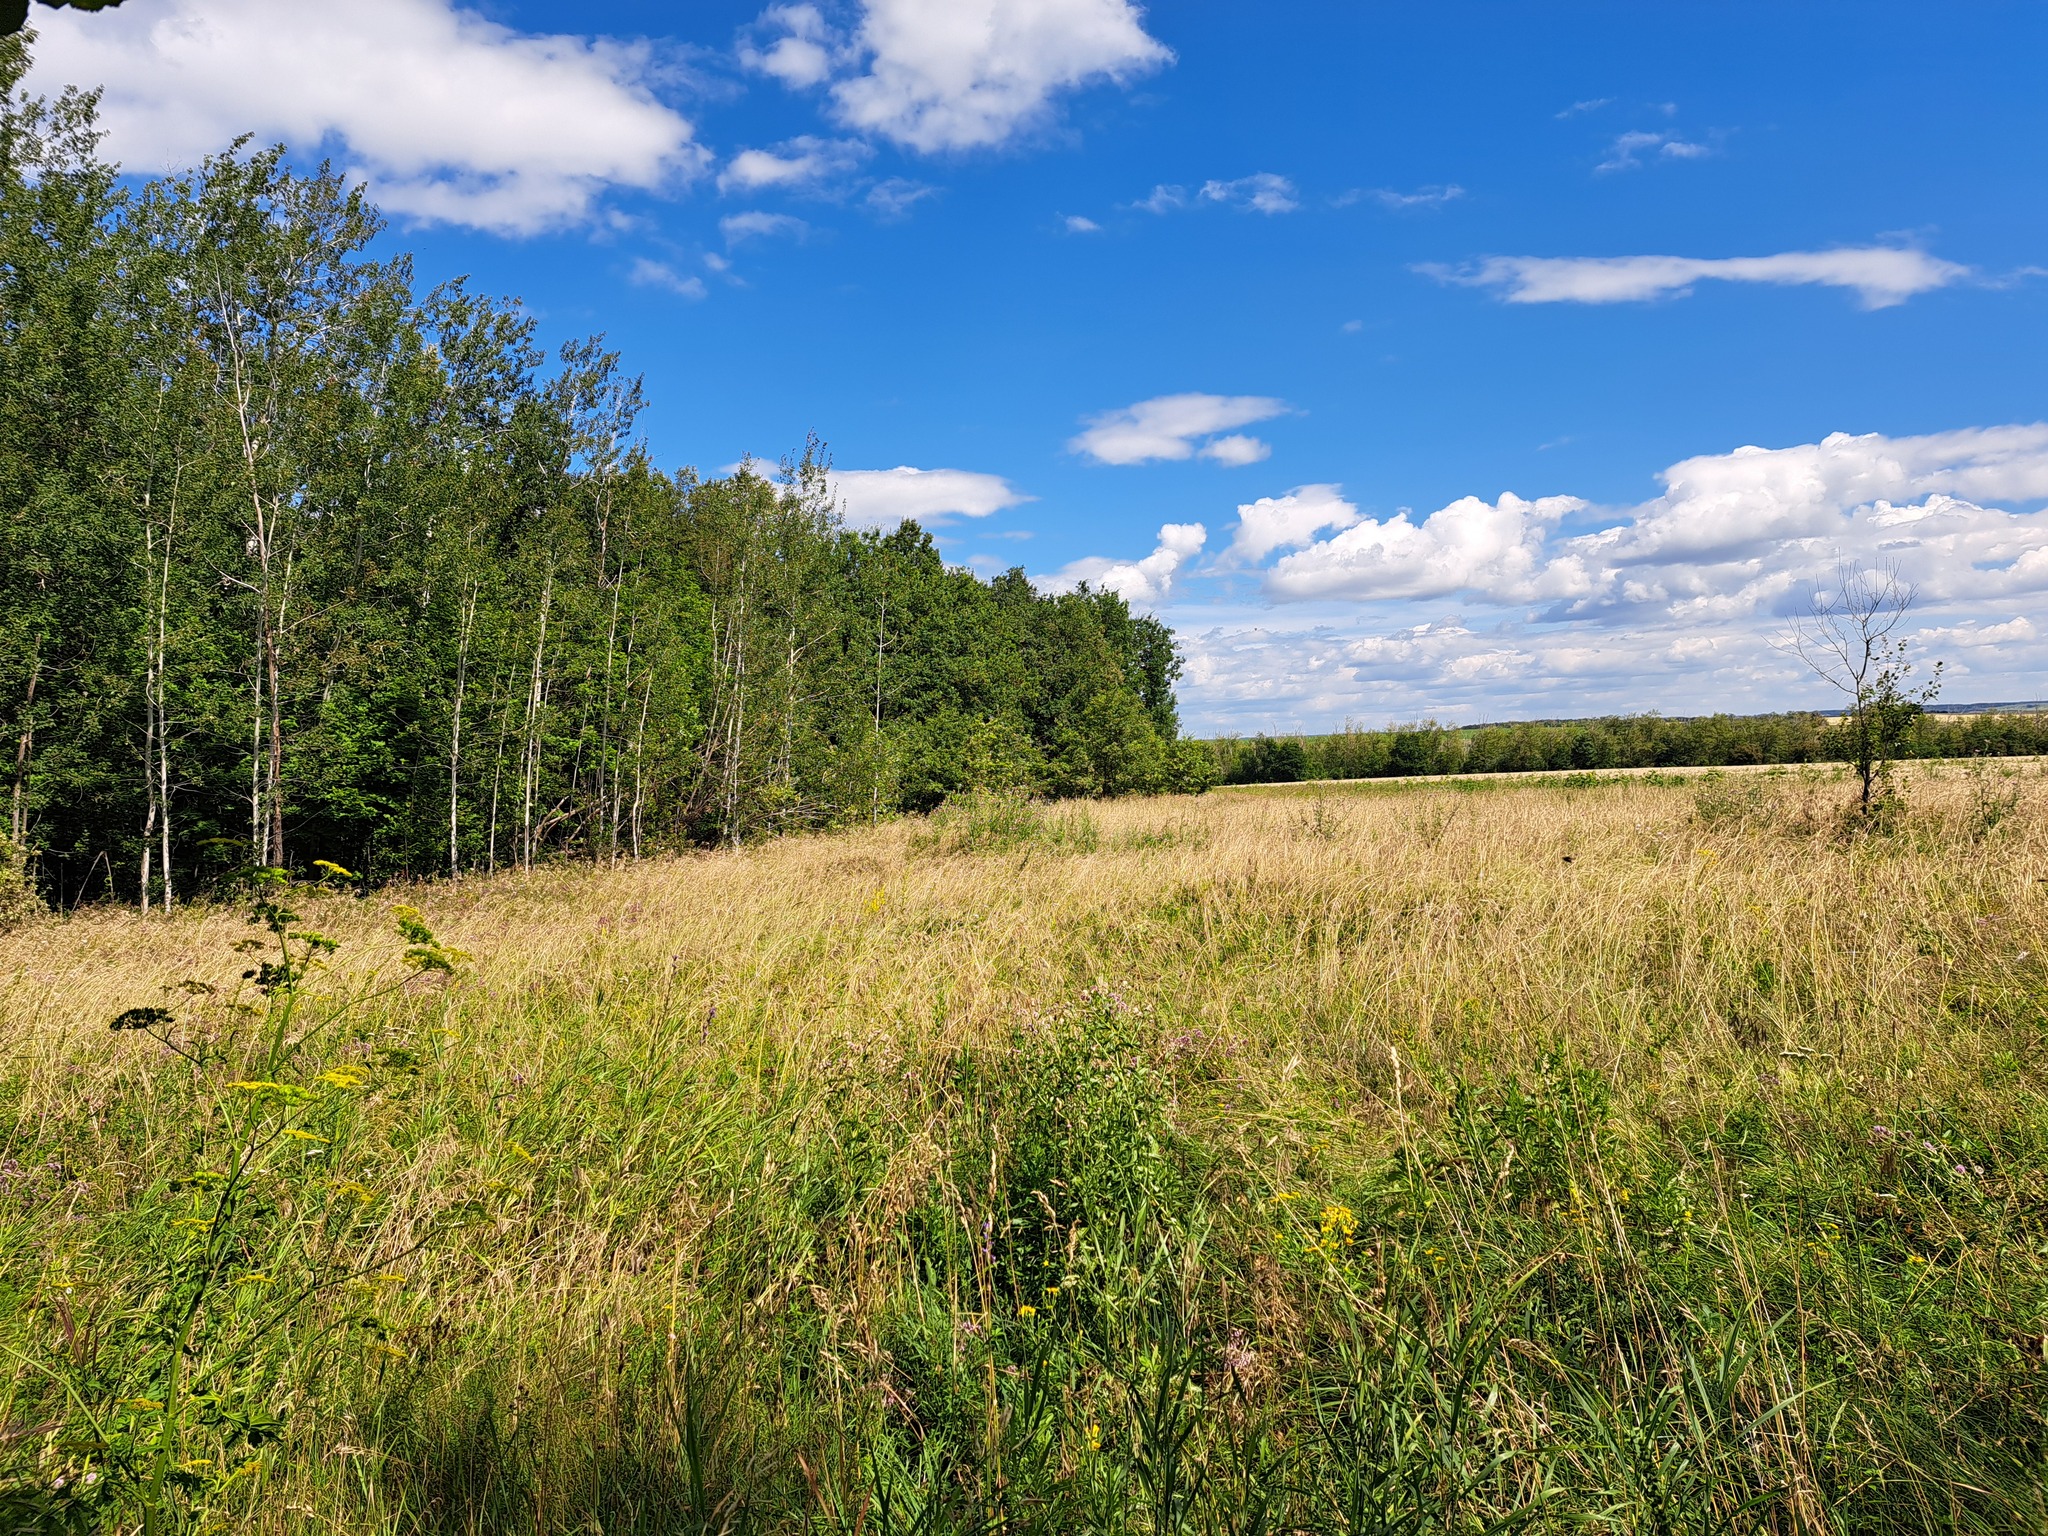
(1169, 427)
(1879, 275)
(1287, 522)
(1263, 192)
(448, 116)
(1493, 548)
(1733, 534)
(755, 225)
(796, 46)
(939, 75)
(800, 165)
(1144, 582)
(649, 273)
(882, 498)
(1631, 151)
(1078, 224)
(1673, 603)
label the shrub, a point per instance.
(18, 899)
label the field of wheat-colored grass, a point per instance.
(1641, 1153)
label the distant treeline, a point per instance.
(1622, 741)
(298, 562)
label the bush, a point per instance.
(18, 899)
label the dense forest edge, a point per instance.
(1619, 741)
(299, 562)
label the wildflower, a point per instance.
(1338, 1222)
(344, 1077)
(1027, 1311)
(519, 1152)
(1094, 1437)
(1052, 1290)
(299, 1135)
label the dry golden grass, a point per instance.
(709, 1098)
(1307, 924)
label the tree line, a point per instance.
(1622, 741)
(299, 561)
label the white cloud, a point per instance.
(1144, 582)
(1167, 428)
(1287, 522)
(648, 273)
(804, 52)
(1076, 224)
(1631, 151)
(1594, 105)
(449, 116)
(1495, 548)
(755, 225)
(1421, 197)
(894, 196)
(1236, 450)
(882, 498)
(1733, 534)
(1973, 634)
(939, 75)
(801, 164)
(1673, 605)
(1880, 275)
(1263, 192)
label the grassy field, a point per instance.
(1609, 1154)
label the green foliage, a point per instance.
(1005, 823)
(1636, 741)
(300, 563)
(232, 1284)
(18, 900)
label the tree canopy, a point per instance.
(299, 561)
(14, 13)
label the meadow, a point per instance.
(1640, 1154)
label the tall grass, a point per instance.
(1633, 1156)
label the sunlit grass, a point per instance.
(1647, 1154)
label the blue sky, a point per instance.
(1399, 356)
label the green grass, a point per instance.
(1375, 1170)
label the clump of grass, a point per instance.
(995, 823)
(1410, 1180)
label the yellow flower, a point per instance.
(1094, 1437)
(305, 1136)
(1027, 1310)
(344, 1077)
(1338, 1223)
(519, 1152)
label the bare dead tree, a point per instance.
(1848, 638)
